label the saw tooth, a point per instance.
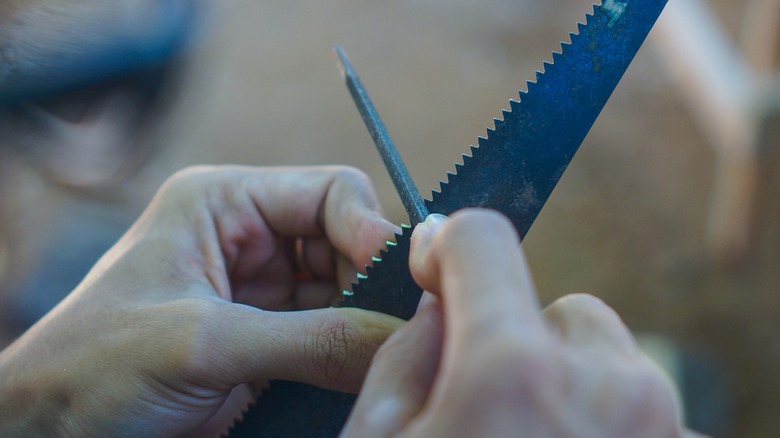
(522, 95)
(497, 123)
(393, 269)
(497, 146)
(524, 90)
(505, 113)
(450, 175)
(594, 8)
(458, 166)
(531, 85)
(429, 199)
(565, 47)
(376, 261)
(382, 254)
(516, 105)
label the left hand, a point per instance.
(154, 343)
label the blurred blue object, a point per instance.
(49, 52)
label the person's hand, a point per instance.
(481, 359)
(153, 341)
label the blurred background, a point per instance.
(631, 220)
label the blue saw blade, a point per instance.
(513, 170)
(516, 167)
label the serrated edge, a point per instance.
(375, 262)
(473, 149)
(514, 103)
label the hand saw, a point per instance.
(514, 169)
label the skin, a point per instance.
(163, 334)
(481, 359)
(177, 326)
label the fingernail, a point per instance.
(435, 220)
(430, 226)
(422, 236)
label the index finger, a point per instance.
(247, 203)
(481, 273)
(336, 201)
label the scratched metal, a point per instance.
(514, 170)
(403, 182)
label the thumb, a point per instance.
(424, 268)
(401, 377)
(330, 348)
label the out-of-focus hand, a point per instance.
(154, 341)
(481, 359)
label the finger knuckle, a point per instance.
(653, 401)
(460, 229)
(187, 334)
(645, 399)
(187, 183)
(189, 176)
(515, 368)
(334, 343)
(480, 217)
(580, 300)
(586, 304)
(352, 176)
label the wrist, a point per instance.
(32, 403)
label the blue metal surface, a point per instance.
(514, 170)
(516, 167)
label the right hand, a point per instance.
(481, 358)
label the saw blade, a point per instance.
(516, 166)
(514, 169)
